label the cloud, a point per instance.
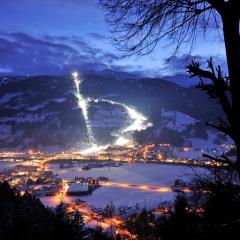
(99, 37)
(22, 54)
(179, 64)
(176, 70)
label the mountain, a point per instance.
(43, 111)
(182, 80)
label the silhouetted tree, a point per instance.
(143, 224)
(97, 234)
(181, 224)
(26, 218)
(139, 25)
(117, 237)
(220, 88)
(218, 195)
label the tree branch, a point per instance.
(218, 89)
(223, 160)
(140, 24)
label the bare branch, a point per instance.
(224, 160)
(140, 24)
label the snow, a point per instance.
(59, 100)
(5, 131)
(3, 81)
(9, 96)
(136, 173)
(113, 117)
(192, 153)
(157, 131)
(200, 146)
(38, 106)
(178, 121)
(203, 143)
(27, 118)
(110, 95)
(77, 187)
(43, 104)
(7, 165)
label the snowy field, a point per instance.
(155, 175)
(7, 165)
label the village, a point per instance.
(30, 174)
(40, 182)
(162, 153)
(31, 177)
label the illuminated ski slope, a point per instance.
(139, 121)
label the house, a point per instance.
(78, 189)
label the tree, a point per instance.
(25, 217)
(143, 225)
(140, 24)
(218, 197)
(97, 234)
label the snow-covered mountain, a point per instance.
(43, 111)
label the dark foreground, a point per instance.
(210, 211)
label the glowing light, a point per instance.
(121, 141)
(94, 149)
(137, 186)
(75, 74)
(83, 104)
(140, 121)
(186, 149)
(61, 196)
(160, 156)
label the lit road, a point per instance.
(94, 219)
(137, 186)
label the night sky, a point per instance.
(59, 36)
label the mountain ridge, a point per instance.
(43, 111)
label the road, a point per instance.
(136, 186)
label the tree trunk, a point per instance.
(232, 44)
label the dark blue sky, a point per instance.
(59, 36)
